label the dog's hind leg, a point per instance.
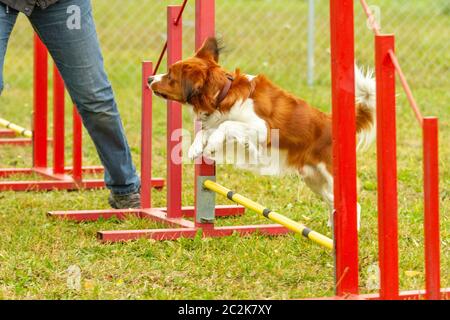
(327, 194)
(320, 181)
(326, 190)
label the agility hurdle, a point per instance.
(269, 214)
(204, 211)
(58, 176)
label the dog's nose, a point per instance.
(150, 80)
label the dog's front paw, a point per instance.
(195, 150)
(214, 145)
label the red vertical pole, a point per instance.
(58, 122)
(386, 168)
(344, 146)
(204, 28)
(40, 104)
(77, 151)
(146, 137)
(174, 119)
(431, 206)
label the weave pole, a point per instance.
(77, 148)
(431, 207)
(40, 106)
(344, 146)
(58, 122)
(174, 117)
(205, 19)
(386, 168)
(269, 214)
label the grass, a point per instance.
(35, 251)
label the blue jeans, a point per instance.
(77, 54)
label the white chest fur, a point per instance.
(242, 112)
(239, 137)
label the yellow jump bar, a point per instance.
(272, 215)
(17, 129)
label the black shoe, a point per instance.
(125, 201)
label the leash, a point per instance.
(164, 49)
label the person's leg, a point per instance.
(7, 20)
(67, 29)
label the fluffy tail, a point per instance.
(365, 95)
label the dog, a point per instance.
(247, 109)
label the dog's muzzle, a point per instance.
(154, 78)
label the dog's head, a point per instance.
(196, 81)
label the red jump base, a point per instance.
(56, 181)
(180, 227)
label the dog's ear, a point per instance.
(192, 81)
(188, 88)
(210, 50)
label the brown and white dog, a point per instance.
(246, 109)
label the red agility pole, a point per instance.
(431, 207)
(58, 122)
(174, 117)
(386, 168)
(204, 27)
(77, 152)
(146, 137)
(344, 146)
(40, 104)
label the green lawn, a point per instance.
(266, 37)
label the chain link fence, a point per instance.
(261, 36)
